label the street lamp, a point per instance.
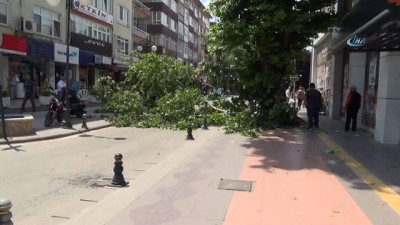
(67, 118)
(140, 48)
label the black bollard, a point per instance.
(84, 125)
(189, 133)
(5, 214)
(205, 123)
(118, 179)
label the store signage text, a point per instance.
(60, 54)
(95, 46)
(95, 43)
(357, 41)
(92, 11)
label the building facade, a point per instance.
(103, 34)
(176, 27)
(365, 52)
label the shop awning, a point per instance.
(13, 45)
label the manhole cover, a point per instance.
(235, 185)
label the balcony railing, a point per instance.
(141, 5)
(139, 32)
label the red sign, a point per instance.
(13, 44)
(397, 2)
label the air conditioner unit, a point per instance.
(27, 26)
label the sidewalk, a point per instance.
(93, 121)
(300, 177)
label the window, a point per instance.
(186, 17)
(46, 22)
(3, 11)
(172, 45)
(160, 18)
(123, 46)
(123, 15)
(173, 6)
(91, 29)
(172, 25)
(104, 5)
(159, 40)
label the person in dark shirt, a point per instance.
(29, 93)
(353, 104)
(313, 102)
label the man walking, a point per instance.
(29, 93)
(313, 102)
(353, 104)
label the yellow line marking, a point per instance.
(386, 193)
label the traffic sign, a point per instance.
(294, 78)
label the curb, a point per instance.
(50, 137)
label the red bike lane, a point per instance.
(292, 185)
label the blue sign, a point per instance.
(357, 41)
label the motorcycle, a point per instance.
(77, 107)
(56, 110)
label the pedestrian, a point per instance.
(12, 85)
(313, 102)
(288, 93)
(300, 97)
(61, 85)
(353, 104)
(29, 93)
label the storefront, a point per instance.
(40, 56)
(13, 51)
(95, 59)
(60, 59)
(367, 56)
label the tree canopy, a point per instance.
(262, 40)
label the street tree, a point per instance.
(262, 39)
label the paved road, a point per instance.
(300, 177)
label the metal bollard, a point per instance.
(205, 123)
(5, 214)
(84, 125)
(118, 179)
(189, 133)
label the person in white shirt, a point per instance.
(288, 93)
(61, 84)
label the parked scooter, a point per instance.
(56, 110)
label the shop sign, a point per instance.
(97, 59)
(92, 11)
(357, 41)
(90, 44)
(60, 54)
(13, 44)
(106, 60)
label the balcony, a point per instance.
(140, 33)
(141, 10)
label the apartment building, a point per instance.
(177, 27)
(102, 34)
(364, 51)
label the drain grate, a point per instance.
(235, 185)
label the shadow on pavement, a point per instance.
(95, 136)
